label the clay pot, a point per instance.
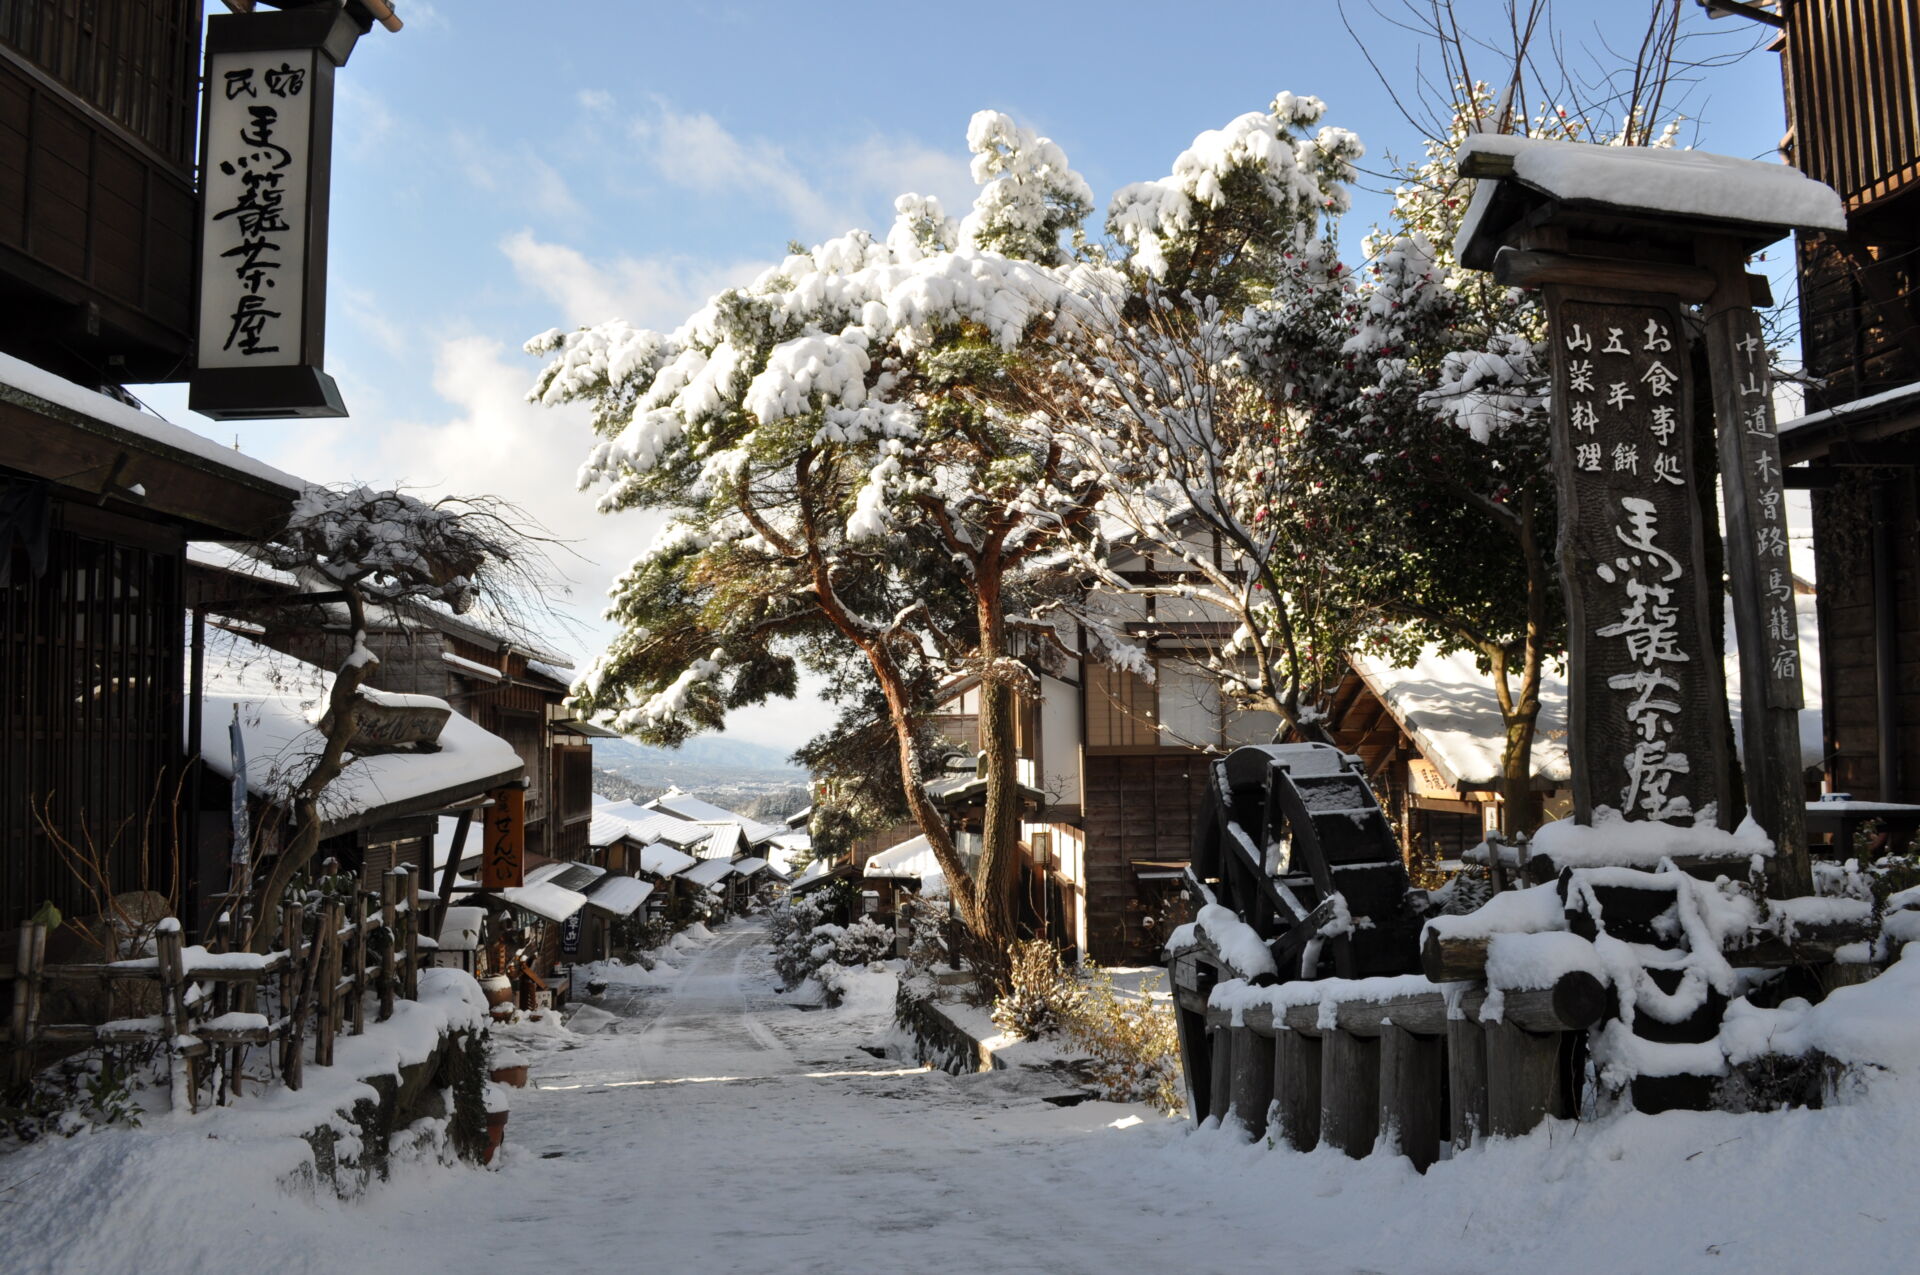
(498, 989)
(514, 1074)
(496, 1134)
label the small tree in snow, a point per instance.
(382, 546)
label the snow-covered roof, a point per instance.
(279, 698)
(1447, 707)
(645, 824)
(911, 858)
(460, 932)
(1682, 183)
(688, 806)
(554, 902)
(552, 672)
(39, 383)
(748, 867)
(662, 860)
(818, 868)
(723, 841)
(605, 828)
(618, 895)
(578, 877)
(708, 872)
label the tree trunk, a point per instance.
(1520, 809)
(341, 703)
(999, 867)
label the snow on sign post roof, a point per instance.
(1624, 242)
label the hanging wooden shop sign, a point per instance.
(1647, 689)
(504, 848)
(266, 152)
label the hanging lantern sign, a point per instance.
(265, 153)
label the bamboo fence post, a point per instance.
(299, 958)
(248, 1002)
(389, 919)
(290, 932)
(223, 1060)
(173, 1002)
(30, 951)
(327, 981)
(411, 889)
(359, 1005)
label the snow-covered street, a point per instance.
(700, 1122)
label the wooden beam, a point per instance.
(1529, 268)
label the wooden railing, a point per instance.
(1856, 103)
(338, 953)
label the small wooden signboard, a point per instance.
(504, 848)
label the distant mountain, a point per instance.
(715, 764)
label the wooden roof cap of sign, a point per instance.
(1577, 199)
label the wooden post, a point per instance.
(1413, 1094)
(1252, 1066)
(30, 951)
(389, 920)
(1296, 1085)
(1220, 1085)
(411, 892)
(1350, 1092)
(359, 1006)
(173, 1003)
(1523, 1078)
(1466, 1081)
(1766, 620)
(1191, 1027)
(327, 982)
(304, 959)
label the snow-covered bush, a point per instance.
(1133, 1042)
(1043, 993)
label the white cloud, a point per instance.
(517, 174)
(824, 194)
(653, 292)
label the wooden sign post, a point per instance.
(1647, 700)
(1620, 239)
(504, 848)
(1766, 617)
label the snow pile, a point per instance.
(1233, 940)
(1533, 910)
(1617, 842)
(1873, 1024)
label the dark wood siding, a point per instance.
(90, 675)
(1844, 548)
(97, 207)
(1137, 808)
(1851, 80)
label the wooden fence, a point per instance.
(1406, 1072)
(215, 1003)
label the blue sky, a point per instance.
(502, 168)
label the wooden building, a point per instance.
(98, 499)
(505, 684)
(1853, 104)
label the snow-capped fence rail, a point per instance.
(1394, 1063)
(215, 1003)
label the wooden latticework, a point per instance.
(90, 708)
